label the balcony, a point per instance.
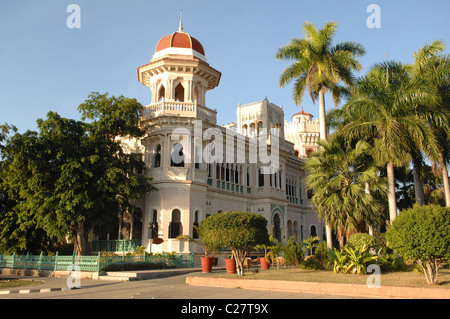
(185, 109)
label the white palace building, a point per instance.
(201, 168)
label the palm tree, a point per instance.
(385, 107)
(319, 67)
(429, 63)
(340, 175)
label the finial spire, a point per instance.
(180, 26)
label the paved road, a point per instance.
(161, 288)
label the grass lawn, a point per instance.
(18, 283)
(402, 278)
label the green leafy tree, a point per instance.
(385, 108)
(237, 231)
(422, 234)
(345, 181)
(72, 176)
(310, 243)
(320, 66)
(430, 63)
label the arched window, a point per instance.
(179, 93)
(177, 156)
(194, 229)
(175, 226)
(260, 178)
(244, 130)
(161, 93)
(158, 156)
(252, 129)
(313, 231)
(153, 226)
(196, 95)
(260, 128)
(290, 229)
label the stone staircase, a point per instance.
(147, 274)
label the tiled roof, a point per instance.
(180, 40)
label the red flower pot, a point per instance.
(207, 263)
(230, 265)
(264, 264)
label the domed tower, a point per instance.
(179, 76)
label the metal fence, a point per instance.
(96, 263)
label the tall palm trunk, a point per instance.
(323, 136)
(446, 182)
(322, 116)
(418, 185)
(391, 192)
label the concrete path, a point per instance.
(173, 287)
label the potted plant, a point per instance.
(207, 261)
(264, 261)
(230, 265)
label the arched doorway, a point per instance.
(277, 227)
(175, 227)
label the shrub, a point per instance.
(358, 259)
(422, 234)
(321, 252)
(351, 260)
(361, 240)
(338, 259)
(311, 262)
(390, 262)
(293, 252)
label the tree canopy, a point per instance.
(422, 234)
(71, 176)
(238, 231)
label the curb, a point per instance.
(340, 289)
(28, 291)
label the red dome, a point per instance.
(180, 39)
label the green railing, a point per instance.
(116, 245)
(42, 262)
(96, 263)
(146, 261)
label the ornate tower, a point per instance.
(178, 76)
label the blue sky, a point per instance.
(46, 66)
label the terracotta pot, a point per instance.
(230, 265)
(207, 263)
(264, 264)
